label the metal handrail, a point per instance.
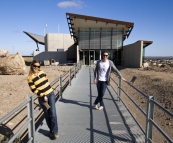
(134, 102)
(14, 110)
(31, 99)
(149, 115)
(168, 112)
(19, 131)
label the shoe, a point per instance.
(54, 136)
(100, 108)
(95, 107)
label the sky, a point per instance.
(153, 21)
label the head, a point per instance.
(105, 55)
(34, 67)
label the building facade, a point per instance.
(89, 37)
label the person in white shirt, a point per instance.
(102, 77)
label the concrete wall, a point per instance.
(61, 42)
(61, 57)
(54, 41)
(132, 55)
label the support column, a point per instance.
(77, 54)
(100, 43)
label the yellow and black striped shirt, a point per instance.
(39, 84)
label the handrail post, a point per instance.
(31, 128)
(60, 86)
(75, 71)
(79, 65)
(150, 115)
(70, 77)
(119, 88)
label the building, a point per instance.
(89, 37)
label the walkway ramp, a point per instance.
(78, 122)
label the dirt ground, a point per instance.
(157, 81)
(153, 81)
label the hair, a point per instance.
(31, 70)
(104, 52)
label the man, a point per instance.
(102, 77)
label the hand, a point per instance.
(123, 79)
(45, 98)
(95, 81)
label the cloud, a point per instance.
(16, 31)
(73, 3)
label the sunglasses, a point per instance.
(105, 55)
(36, 66)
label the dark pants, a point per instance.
(101, 87)
(50, 114)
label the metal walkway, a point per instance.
(78, 122)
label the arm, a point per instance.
(95, 73)
(33, 87)
(115, 69)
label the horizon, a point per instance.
(50, 17)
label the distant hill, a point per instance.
(159, 57)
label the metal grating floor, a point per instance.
(78, 122)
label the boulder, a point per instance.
(3, 53)
(12, 65)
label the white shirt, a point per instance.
(103, 74)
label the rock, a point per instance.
(12, 65)
(169, 124)
(154, 64)
(146, 65)
(3, 53)
(159, 65)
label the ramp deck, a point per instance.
(78, 122)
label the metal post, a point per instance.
(31, 129)
(119, 90)
(69, 77)
(74, 71)
(79, 65)
(150, 115)
(60, 86)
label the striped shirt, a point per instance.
(39, 84)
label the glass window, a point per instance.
(83, 39)
(106, 39)
(97, 55)
(95, 39)
(117, 39)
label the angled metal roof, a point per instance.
(146, 43)
(37, 38)
(76, 21)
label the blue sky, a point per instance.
(153, 21)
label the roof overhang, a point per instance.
(37, 38)
(76, 21)
(146, 43)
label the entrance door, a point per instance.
(86, 57)
(92, 57)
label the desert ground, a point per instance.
(155, 81)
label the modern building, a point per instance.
(89, 37)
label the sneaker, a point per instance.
(95, 107)
(54, 136)
(100, 108)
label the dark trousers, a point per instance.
(101, 87)
(50, 114)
